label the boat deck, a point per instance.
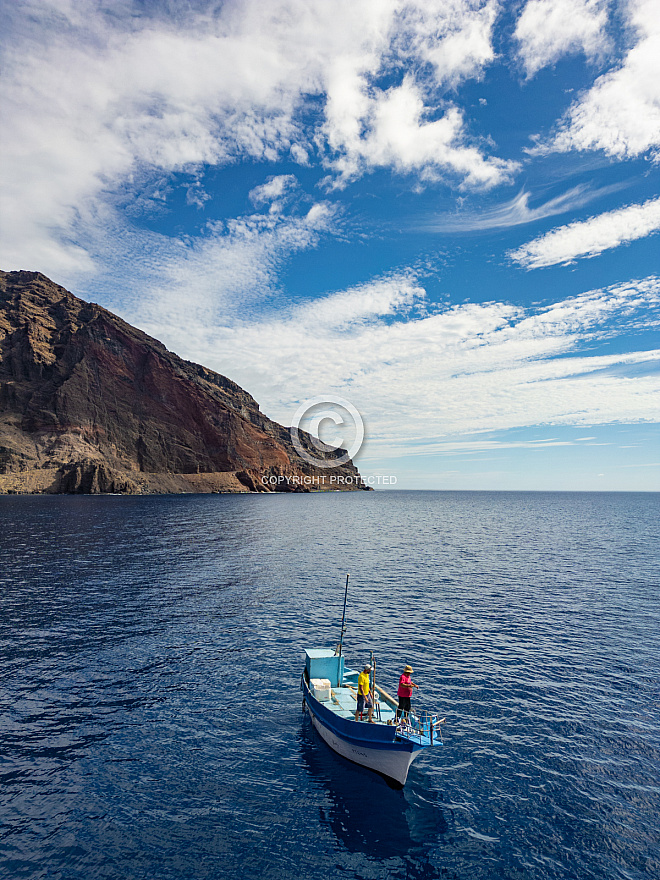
(343, 702)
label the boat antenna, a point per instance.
(343, 617)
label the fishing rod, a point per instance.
(343, 617)
(375, 706)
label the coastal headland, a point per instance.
(90, 404)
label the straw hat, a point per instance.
(408, 670)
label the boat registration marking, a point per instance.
(336, 742)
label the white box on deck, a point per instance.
(320, 688)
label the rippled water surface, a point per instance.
(151, 649)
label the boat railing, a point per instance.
(421, 726)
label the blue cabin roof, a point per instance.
(324, 663)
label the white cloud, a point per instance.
(549, 29)
(423, 378)
(227, 275)
(391, 295)
(274, 188)
(515, 212)
(620, 114)
(97, 101)
(398, 136)
(368, 127)
(591, 237)
(453, 36)
(470, 445)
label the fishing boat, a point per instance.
(388, 745)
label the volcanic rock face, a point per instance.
(90, 404)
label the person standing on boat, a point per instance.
(364, 695)
(406, 685)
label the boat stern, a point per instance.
(324, 663)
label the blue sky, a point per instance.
(446, 213)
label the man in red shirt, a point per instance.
(406, 684)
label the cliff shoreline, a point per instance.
(91, 405)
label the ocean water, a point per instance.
(150, 712)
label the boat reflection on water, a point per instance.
(364, 814)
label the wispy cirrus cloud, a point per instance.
(420, 375)
(589, 238)
(473, 445)
(229, 273)
(516, 211)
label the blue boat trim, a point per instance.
(376, 736)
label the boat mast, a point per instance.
(343, 617)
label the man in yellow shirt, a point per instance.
(364, 695)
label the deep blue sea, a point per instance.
(150, 658)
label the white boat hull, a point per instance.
(394, 765)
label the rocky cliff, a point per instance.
(90, 404)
